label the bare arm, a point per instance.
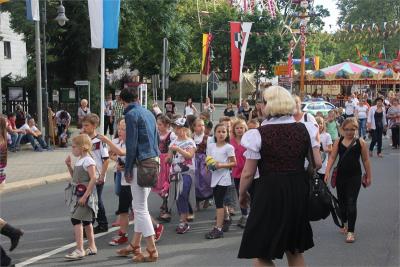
(186, 154)
(103, 171)
(228, 165)
(246, 179)
(366, 162)
(113, 147)
(317, 158)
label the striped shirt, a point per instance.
(118, 110)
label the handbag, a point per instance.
(321, 202)
(335, 170)
(148, 171)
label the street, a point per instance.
(41, 213)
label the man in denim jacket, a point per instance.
(141, 131)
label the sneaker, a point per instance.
(214, 234)
(226, 225)
(100, 229)
(159, 230)
(182, 228)
(190, 217)
(122, 239)
(242, 222)
(39, 149)
(75, 255)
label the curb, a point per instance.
(34, 182)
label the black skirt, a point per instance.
(278, 220)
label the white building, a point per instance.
(13, 58)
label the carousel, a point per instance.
(348, 77)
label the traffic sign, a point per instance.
(81, 83)
(213, 81)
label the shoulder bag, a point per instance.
(335, 170)
(148, 171)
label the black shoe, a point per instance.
(13, 233)
(100, 229)
(226, 225)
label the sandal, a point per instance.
(343, 230)
(151, 257)
(75, 255)
(124, 252)
(90, 252)
(350, 237)
(138, 256)
(380, 155)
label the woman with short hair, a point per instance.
(278, 222)
(83, 110)
(376, 123)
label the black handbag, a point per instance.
(321, 202)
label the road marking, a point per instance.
(61, 249)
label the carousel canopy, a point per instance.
(350, 68)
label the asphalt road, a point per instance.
(43, 216)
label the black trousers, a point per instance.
(376, 139)
(347, 191)
(396, 136)
(108, 125)
(4, 259)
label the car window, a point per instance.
(329, 106)
(319, 106)
(303, 106)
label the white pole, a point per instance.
(89, 95)
(240, 88)
(102, 93)
(208, 76)
(38, 76)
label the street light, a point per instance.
(61, 18)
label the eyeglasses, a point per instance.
(349, 130)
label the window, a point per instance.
(7, 50)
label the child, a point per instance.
(332, 126)
(100, 156)
(202, 175)
(239, 128)
(82, 198)
(253, 124)
(220, 159)
(162, 187)
(3, 149)
(181, 152)
(326, 145)
(125, 195)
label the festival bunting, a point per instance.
(235, 50)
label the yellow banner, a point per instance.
(204, 50)
(3, 1)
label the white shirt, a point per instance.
(189, 111)
(26, 127)
(85, 162)
(99, 153)
(355, 101)
(349, 107)
(179, 163)
(371, 117)
(362, 111)
(198, 138)
(221, 154)
(326, 140)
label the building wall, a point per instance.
(17, 65)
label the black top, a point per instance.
(350, 165)
(378, 116)
(246, 113)
(229, 113)
(284, 147)
(169, 107)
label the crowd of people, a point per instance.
(255, 159)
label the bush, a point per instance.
(180, 91)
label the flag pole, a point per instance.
(102, 93)
(38, 76)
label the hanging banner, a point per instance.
(206, 53)
(235, 50)
(246, 28)
(104, 23)
(32, 10)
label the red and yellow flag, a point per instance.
(206, 53)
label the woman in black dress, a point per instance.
(278, 221)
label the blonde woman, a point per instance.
(348, 181)
(278, 222)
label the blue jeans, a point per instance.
(28, 138)
(183, 200)
(15, 140)
(101, 215)
(362, 127)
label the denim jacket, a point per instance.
(141, 136)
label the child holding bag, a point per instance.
(82, 198)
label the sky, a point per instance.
(334, 14)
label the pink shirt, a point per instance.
(240, 159)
